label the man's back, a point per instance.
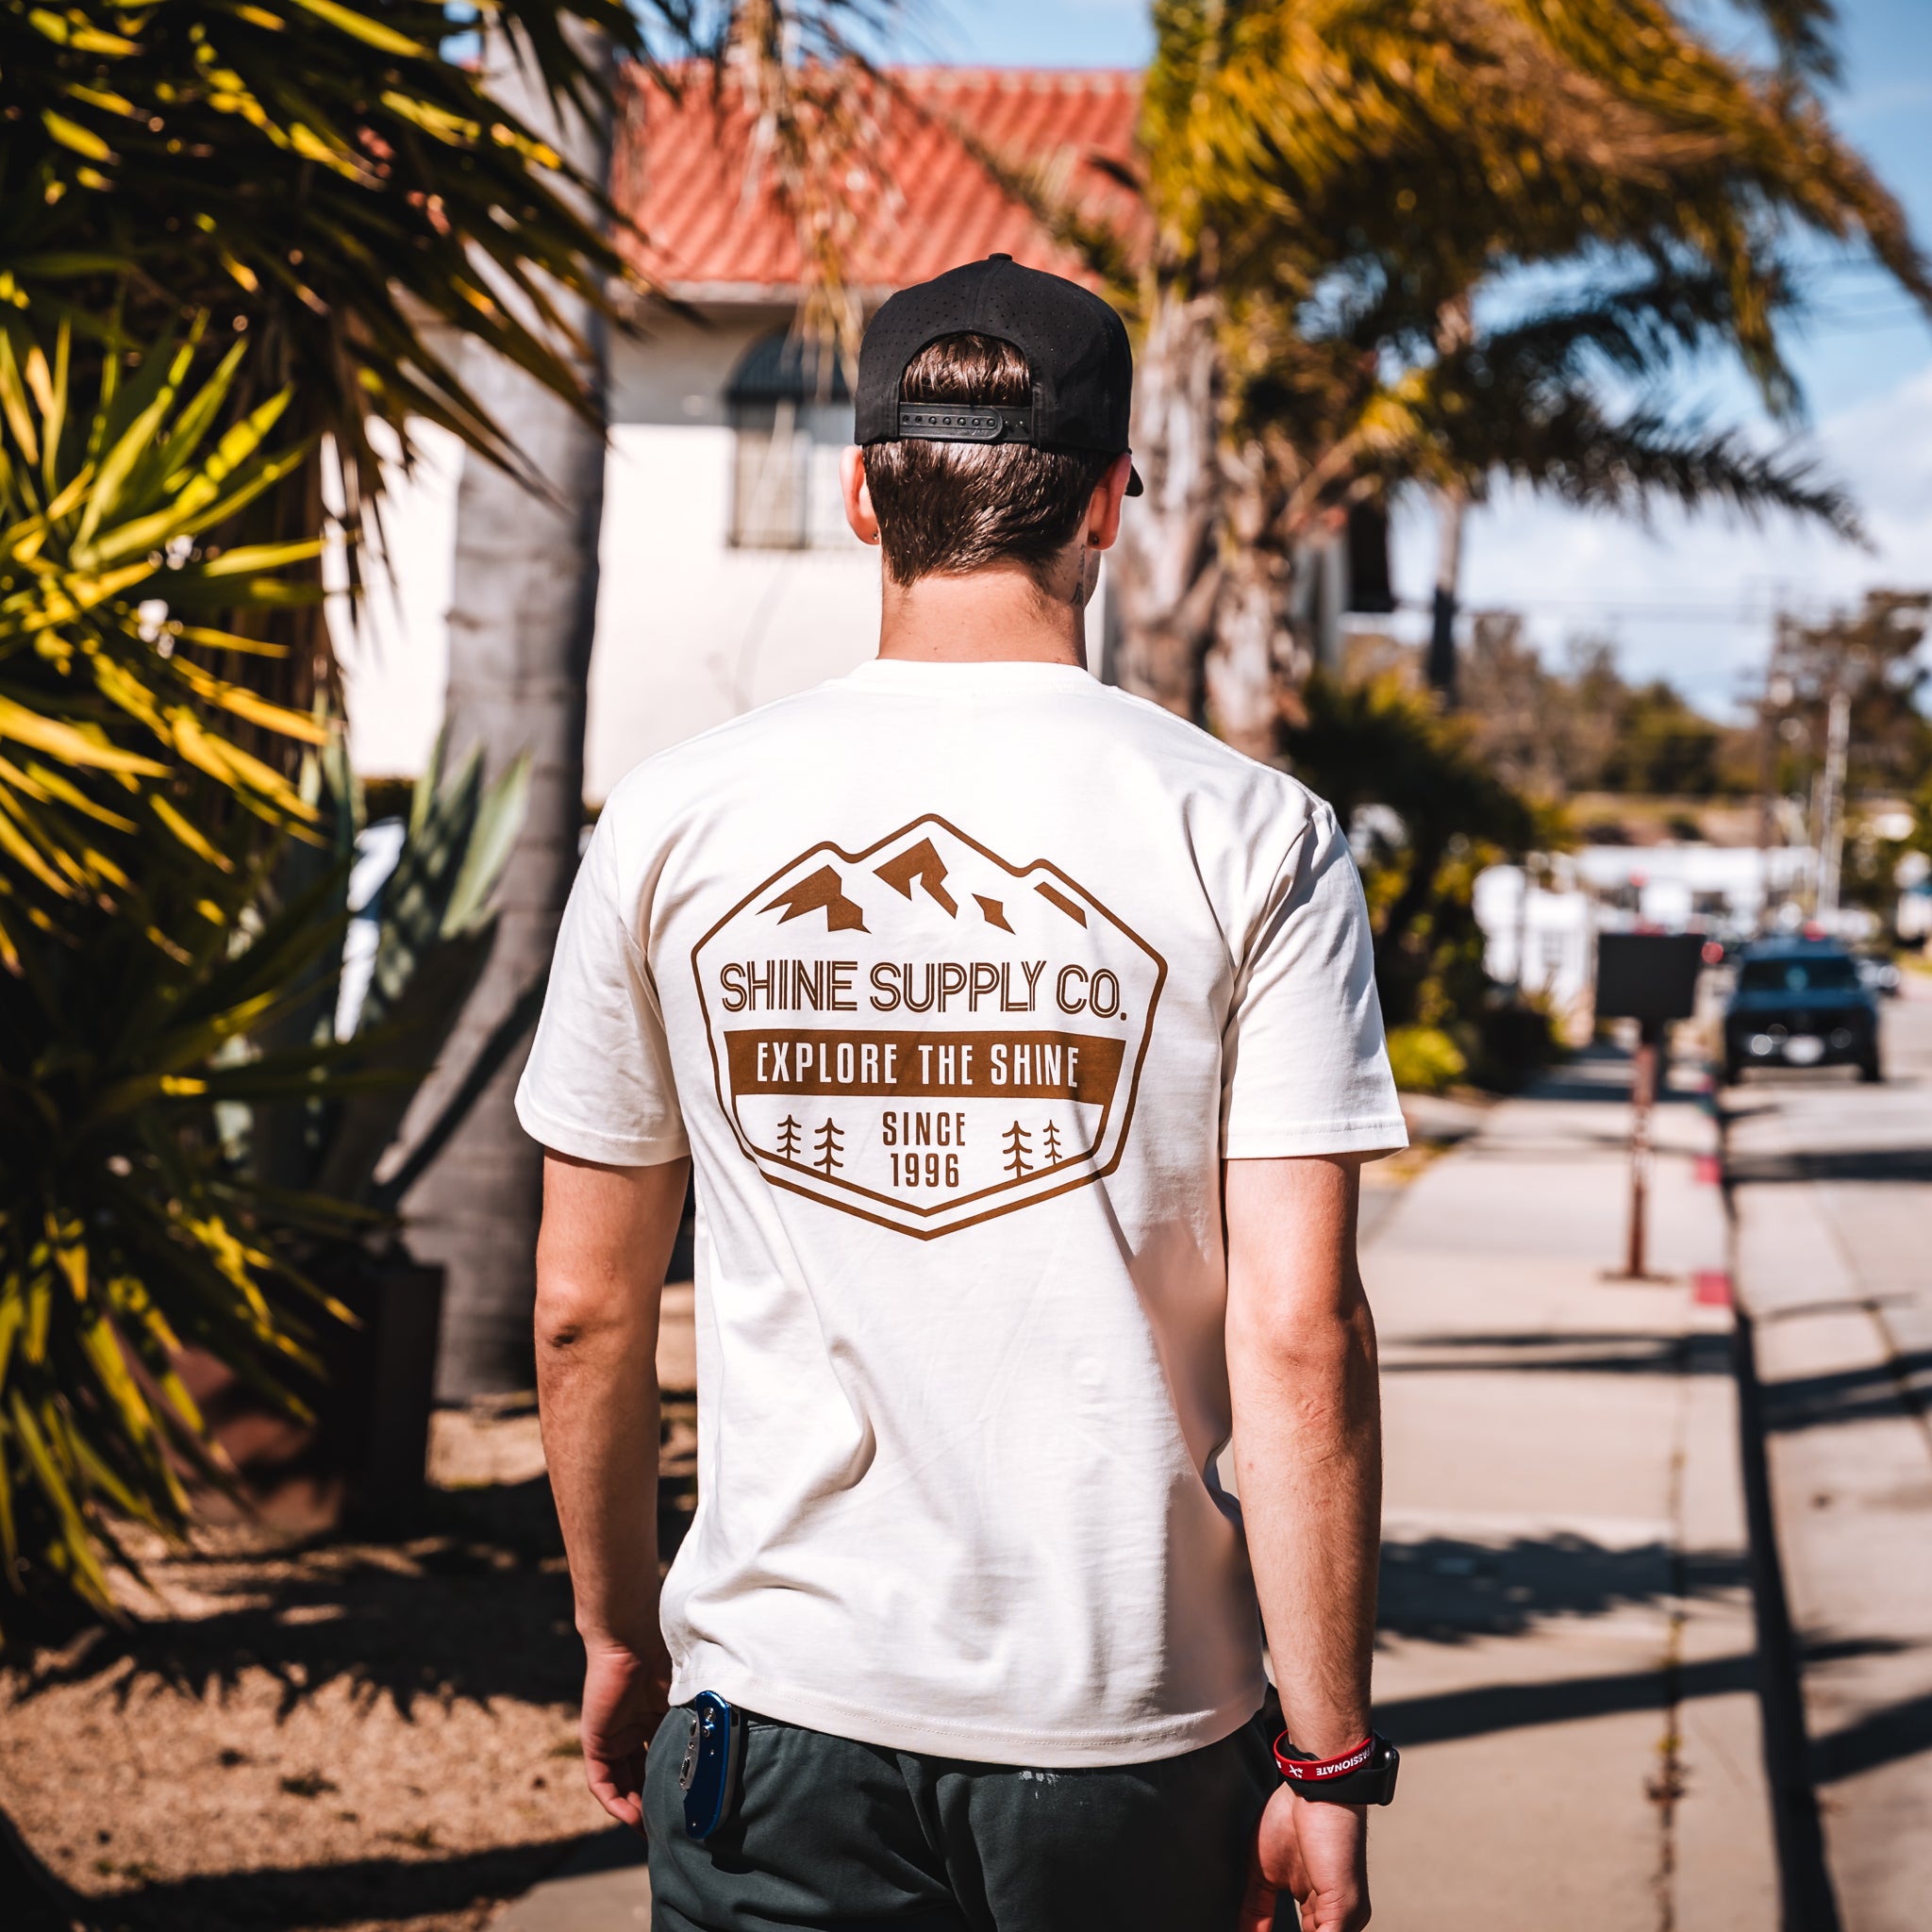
(1023, 1042)
(947, 973)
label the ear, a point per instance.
(865, 527)
(1103, 523)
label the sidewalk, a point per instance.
(1567, 1643)
(1567, 1652)
(1833, 1190)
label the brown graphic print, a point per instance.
(924, 1034)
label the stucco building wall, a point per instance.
(690, 630)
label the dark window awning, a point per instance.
(783, 368)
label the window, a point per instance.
(790, 417)
(1820, 973)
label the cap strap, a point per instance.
(961, 422)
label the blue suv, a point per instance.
(1800, 1003)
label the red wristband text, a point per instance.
(1313, 1771)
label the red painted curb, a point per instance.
(1711, 1288)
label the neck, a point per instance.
(986, 617)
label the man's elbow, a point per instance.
(573, 1318)
(1297, 1341)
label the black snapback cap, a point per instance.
(1075, 343)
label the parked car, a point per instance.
(1800, 1003)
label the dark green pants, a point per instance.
(830, 1835)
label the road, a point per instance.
(1832, 1189)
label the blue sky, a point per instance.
(1692, 598)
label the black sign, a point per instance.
(1647, 975)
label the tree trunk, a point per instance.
(1455, 332)
(1168, 571)
(1252, 657)
(1450, 506)
(519, 633)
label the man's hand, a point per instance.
(1317, 1854)
(626, 1696)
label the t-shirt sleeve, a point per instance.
(1306, 1066)
(599, 1083)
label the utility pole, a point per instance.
(1831, 803)
(1767, 783)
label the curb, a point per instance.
(1808, 1902)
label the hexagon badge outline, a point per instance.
(849, 1195)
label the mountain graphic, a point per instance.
(921, 862)
(931, 887)
(823, 889)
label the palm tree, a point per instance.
(1336, 183)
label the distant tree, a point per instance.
(1553, 732)
(1872, 656)
(790, 1137)
(1544, 733)
(1663, 746)
(1051, 1143)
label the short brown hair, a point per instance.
(945, 508)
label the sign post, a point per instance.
(1651, 979)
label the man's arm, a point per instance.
(601, 1256)
(1308, 1443)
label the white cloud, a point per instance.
(1695, 598)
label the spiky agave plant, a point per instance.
(135, 832)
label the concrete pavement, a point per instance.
(1567, 1648)
(1832, 1187)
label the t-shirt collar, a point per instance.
(948, 678)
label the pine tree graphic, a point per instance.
(790, 1138)
(1019, 1144)
(1052, 1140)
(830, 1141)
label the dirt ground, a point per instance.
(316, 1732)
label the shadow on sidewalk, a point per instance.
(1564, 1352)
(1518, 1706)
(1882, 1737)
(1877, 1391)
(1599, 1072)
(1831, 1164)
(1447, 1589)
(1492, 1707)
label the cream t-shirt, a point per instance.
(959, 982)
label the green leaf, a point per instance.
(386, 40)
(71, 134)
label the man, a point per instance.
(1024, 1041)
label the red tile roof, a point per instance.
(927, 203)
